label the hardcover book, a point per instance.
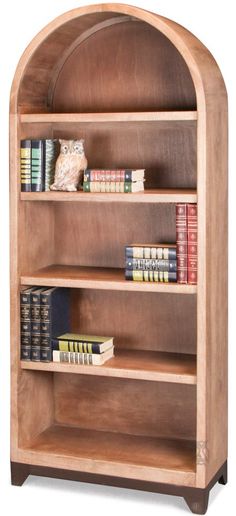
(82, 343)
(192, 243)
(25, 321)
(148, 264)
(156, 276)
(52, 149)
(35, 324)
(54, 318)
(25, 165)
(83, 358)
(37, 165)
(113, 187)
(123, 175)
(182, 242)
(151, 251)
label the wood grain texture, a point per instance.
(139, 365)
(117, 447)
(98, 278)
(35, 405)
(156, 409)
(138, 321)
(96, 236)
(198, 76)
(169, 164)
(153, 195)
(138, 116)
(147, 65)
(114, 454)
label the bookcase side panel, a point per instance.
(212, 292)
(14, 281)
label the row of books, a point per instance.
(114, 181)
(167, 262)
(37, 164)
(44, 314)
(151, 262)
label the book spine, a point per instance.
(25, 165)
(122, 175)
(35, 326)
(147, 264)
(25, 321)
(45, 318)
(151, 253)
(75, 358)
(75, 346)
(192, 243)
(182, 243)
(37, 165)
(151, 276)
(52, 149)
(107, 187)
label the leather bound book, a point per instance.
(54, 317)
(192, 243)
(182, 243)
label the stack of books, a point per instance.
(186, 240)
(44, 314)
(37, 164)
(151, 262)
(79, 349)
(114, 181)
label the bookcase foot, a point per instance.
(224, 476)
(19, 473)
(197, 501)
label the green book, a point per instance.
(37, 165)
(113, 186)
(52, 150)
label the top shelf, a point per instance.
(145, 116)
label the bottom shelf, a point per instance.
(95, 448)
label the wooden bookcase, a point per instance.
(144, 93)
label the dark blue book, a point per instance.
(54, 318)
(146, 264)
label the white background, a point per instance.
(212, 22)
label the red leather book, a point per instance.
(192, 243)
(181, 242)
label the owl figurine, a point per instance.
(70, 166)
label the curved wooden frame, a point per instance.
(212, 220)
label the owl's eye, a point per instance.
(76, 147)
(65, 148)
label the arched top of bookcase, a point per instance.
(113, 58)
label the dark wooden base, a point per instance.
(196, 498)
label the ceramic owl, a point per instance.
(70, 165)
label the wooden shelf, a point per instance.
(148, 196)
(100, 451)
(144, 116)
(142, 365)
(101, 278)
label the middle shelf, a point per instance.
(101, 278)
(133, 364)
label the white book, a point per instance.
(70, 357)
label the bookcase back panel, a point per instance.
(144, 321)
(166, 150)
(128, 406)
(35, 405)
(36, 236)
(96, 235)
(125, 67)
